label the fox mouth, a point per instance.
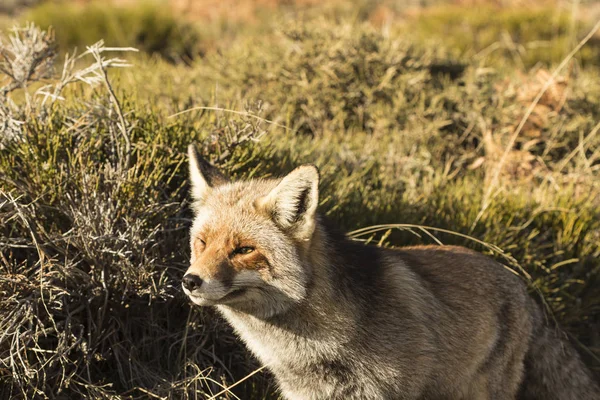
(202, 300)
(233, 294)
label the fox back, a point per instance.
(336, 319)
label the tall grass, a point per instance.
(148, 26)
(522, 36)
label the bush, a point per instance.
(147, 26)
(13, 6)
(523, 36)
(341, 79)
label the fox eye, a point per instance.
(243, 250)
(202, 242)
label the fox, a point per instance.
(334, 318)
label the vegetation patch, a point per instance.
(146, 26)
(95, 207)
(521, 36)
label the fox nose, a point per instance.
(191, 282)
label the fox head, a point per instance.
(249, 239)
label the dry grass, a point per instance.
(543, 91)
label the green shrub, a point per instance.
(147, 26)
(336, 79)
(523, 36)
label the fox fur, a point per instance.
(336, 319)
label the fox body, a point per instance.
(336, 319)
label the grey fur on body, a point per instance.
(335, 319)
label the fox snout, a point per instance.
(210, 291)
(210, 279)
(207, 292)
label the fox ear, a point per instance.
(293, 202)
(203, 175)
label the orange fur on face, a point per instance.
(253, 261)
(215, 257)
